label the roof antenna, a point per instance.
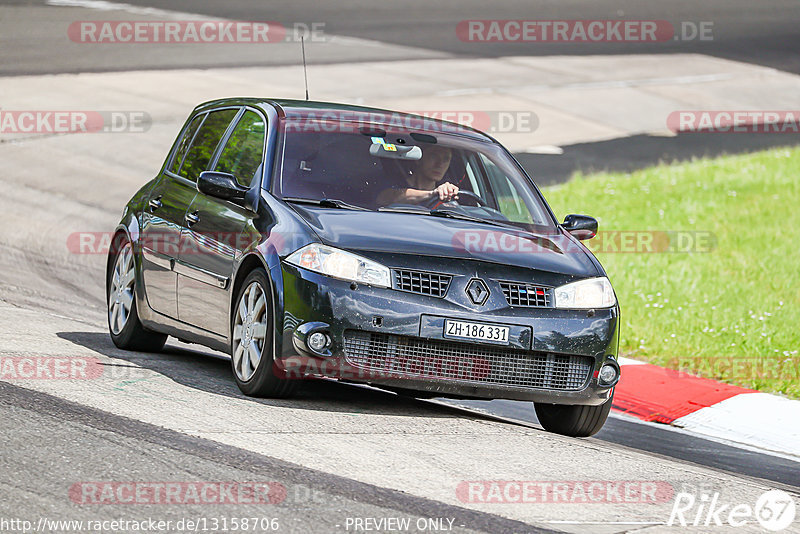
(305, 72)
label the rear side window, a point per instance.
(205, 142)
(186, 140)
(242, 154)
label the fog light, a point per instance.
(608, 374)
(317, 341)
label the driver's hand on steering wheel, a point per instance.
(446, 192)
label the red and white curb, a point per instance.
(702, 406)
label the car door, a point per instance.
(165, 214)
(162, 224)
(214, 236)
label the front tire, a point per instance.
(577, 421)
(252, 354)
(124, 325)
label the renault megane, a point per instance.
(310, 239)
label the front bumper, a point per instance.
(394, 339)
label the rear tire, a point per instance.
(577, 421)
(252, 348)
(124, 326)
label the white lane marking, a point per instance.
(708, 437)
(497, 411)
(605, 84)
(570, 522)
(758, 419)
(103, 5)
(545, 149)
(627, 361)
(466, 91)
(671, 80)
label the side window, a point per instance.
(508, 199)
(242, 154)
(473, 174)
(205, 142)
(185, 142)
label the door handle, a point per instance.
(155, 203)
(192, 218)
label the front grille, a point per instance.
(392, 356)
(422, 283)
(525, 295)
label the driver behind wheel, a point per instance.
(424, 182)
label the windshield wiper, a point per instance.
(463, 216)
(325, 203)
(439, 212)
(407, 209)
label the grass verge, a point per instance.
(704, 266)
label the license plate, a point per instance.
(476, 331)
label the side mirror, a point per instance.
(220, 185)
(581, 226)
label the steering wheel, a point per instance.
(434, 202)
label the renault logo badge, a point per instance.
(477, 291)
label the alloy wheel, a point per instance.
(120, 294)
(249, 331)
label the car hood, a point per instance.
(423, 235)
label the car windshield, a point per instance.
(352, 166)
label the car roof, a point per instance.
(312, 109)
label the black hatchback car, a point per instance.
(311, 239)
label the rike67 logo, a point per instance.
(774, 511)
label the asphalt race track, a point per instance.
(336, 453)
(761, 33)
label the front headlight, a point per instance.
(340, 264)
(584, 294)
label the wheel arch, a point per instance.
(130, 230)
(120, 230)
(248, 264)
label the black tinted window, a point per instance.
(205, 142)
(242, 154)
